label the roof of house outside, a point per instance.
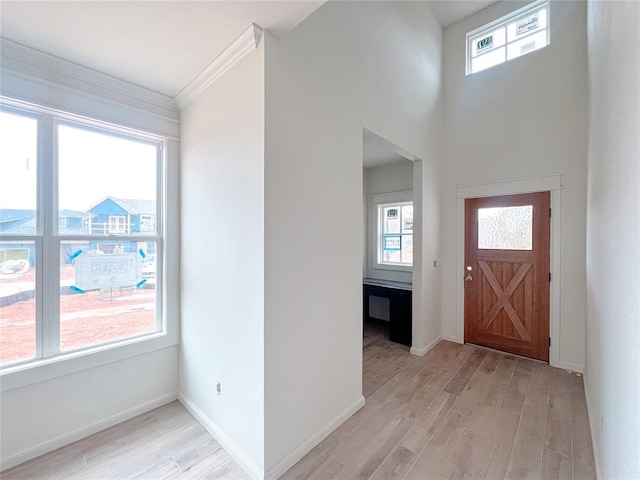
(132, 206)
(136, 207)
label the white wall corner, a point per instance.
(424, 350)
(231, 447)
(296, 455)
(243, 45)
(452, 338)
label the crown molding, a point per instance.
(243, 45)
(26, 61)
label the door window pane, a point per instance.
(107, 291)
(17, 301)
(107, 183)
(18, 171)
(505, 228)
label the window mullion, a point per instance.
(50, 288)
(40, 208)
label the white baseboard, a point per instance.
(85, 432)
(596, 450)
(423, 351)
(223, 439)
(295, 456)
(451, 338)
(568, 366)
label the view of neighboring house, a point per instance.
(119, 216)
(109, 216)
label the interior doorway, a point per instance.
(507, 273)
(391, 219)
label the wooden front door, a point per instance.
(507, 273)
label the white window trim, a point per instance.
(503, 21)
(25, 374)
(375, 201)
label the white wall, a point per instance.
(395, 177)
(523, 118)
(46, 415)
(222, 256)
(349, 66)
(612, 376)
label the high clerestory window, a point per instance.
(521, 32)
(80, 235)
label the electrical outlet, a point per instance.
(601, 425)
(218, 389)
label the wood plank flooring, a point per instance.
(459, 412)
(166, 443)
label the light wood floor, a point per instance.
(458, 412)
(166, 443)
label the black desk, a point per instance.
(399, 295)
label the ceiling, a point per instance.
(135, 40)
(160, 45)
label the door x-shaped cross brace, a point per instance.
(503, 298)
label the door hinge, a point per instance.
(549, 213)
(549, 341)
(549, 277)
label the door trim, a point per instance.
(552, 183)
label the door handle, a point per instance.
(468, 277)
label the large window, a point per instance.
(509, 37)
(80, 244)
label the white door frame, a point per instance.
(542, 183)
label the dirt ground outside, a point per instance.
(86, 319)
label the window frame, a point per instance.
(503, 22)
(377, 202)
(48, 238)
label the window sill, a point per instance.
(394, 268)
(67, 364)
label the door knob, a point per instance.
(468, 277)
